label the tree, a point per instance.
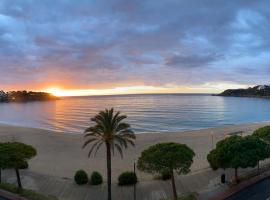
(261, 148)
(263, 133)
(15, 155)
(238, 152)
(109, 129)
(168, 157)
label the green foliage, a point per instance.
(238, 152)
(81, 177)
(188, 197)
(29, 194)
(263, 133)
(165, 175)
(127, 178)
(24, 166)
(96, 178)
(109, 129)
(185, 197)
(15, 155)
(212, 158)
(166, 157)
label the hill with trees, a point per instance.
(25, 96)
(257, 91)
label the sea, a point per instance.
(147, 113)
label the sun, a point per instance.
(55, 91)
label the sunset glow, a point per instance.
(114, 91)
(207, 88)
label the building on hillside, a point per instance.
(3, 96)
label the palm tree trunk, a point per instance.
(18, 178)
(109, 170)
(236, 175)
(173, 186)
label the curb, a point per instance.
(10, 196)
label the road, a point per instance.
(259, 191)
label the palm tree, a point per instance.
(109, 129)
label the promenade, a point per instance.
(66, 189)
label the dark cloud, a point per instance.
(88, 43)
(191, 61)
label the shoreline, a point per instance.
(139, 133)
(61, 155)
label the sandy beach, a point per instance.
(61, 154)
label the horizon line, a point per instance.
(179, 93)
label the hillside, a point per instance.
(25, 96)
(257, 91)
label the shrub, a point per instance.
(127, 178)
(81, 177)
(96, 178)
(165, 175)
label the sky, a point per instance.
(82, 47)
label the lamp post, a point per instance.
(134, 186)
(212, 137)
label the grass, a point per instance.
(185, 197)
(28, 194)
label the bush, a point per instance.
(165, 175)
(81, 177)
(29, 194)
(127, 178)
(96, 178)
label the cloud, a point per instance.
(191, 61)
(84, 44)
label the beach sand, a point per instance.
(61, 154)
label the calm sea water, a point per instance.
(146, 113)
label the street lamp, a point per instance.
(134, 186)
(212, 137)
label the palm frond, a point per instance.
(88, 142)
(128, 134)
(112, 147)
(97, 148)
(118, 147)
(93, 147)
(119, 118)
(121, 141)
(91, 135)
(130, 142)
(122, 126)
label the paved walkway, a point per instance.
(205, 184)
(66, 189)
